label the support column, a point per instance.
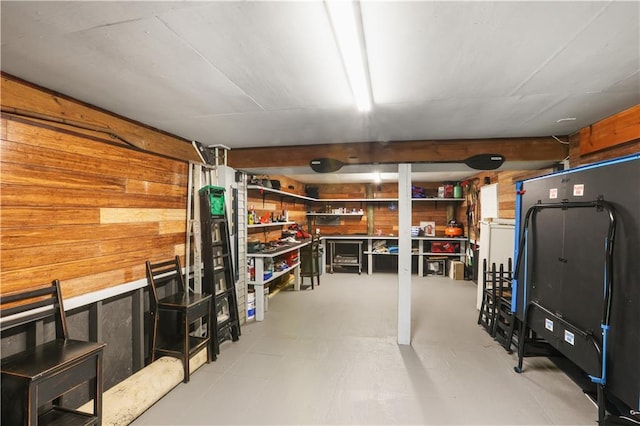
(404, 254)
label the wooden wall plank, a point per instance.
(179, 250)
(173, 227)
(20, 96)
(129, 215)
(24, 217)
(19, 279)
(42, 177)
(13, 195)
(51, 235)
(612, 131)
(577, 157)
(53, 187)
(135, 186)
(75, 286)
(69, 152)
(25, 257)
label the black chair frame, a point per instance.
(180, 342)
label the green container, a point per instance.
(216, 199)
(457, 191)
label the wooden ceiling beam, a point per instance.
(513, 149)
(612, 131)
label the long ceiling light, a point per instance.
(347, 29)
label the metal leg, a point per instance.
(185, 355)
(332, 253)
(521, 339)
(601, 405)
(210, 331)
(154, 337)
(482, 308)
(509, 339)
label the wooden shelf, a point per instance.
(266, 190)
(335, 214)
(275, 275)
(361, 200)
(275, 253)
(458, 254)
(440, 238)
(65, 417)
(173, 344)
(437, 199)
(377, 253)
(264, 225)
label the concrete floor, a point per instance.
(329, 356)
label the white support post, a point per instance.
(404, 254)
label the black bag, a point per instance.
(312, 191)
(275, 184)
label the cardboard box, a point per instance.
(456, 270)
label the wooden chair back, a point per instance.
(160, 274)
(22, 308)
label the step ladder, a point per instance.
(218, 279)
(200, 175)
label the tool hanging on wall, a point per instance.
(471, 197)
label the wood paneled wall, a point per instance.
(611, 132)
(385, 213)
(26, 99)
(576, 158)
(296, 208)
(84, 210)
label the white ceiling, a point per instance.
(247, 74)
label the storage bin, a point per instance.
(216, 199)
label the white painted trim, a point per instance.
(107, 293)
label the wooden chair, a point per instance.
(310, 260)
(495, 308)
(503, 321)
(35, 379)
(177, 301)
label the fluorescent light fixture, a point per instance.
(377, 178)
(344, 16)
